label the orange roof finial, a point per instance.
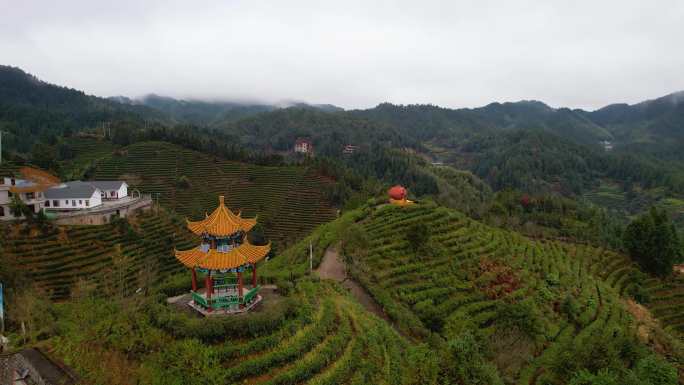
(221, 200)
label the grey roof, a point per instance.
(76, 189)
(107, 184)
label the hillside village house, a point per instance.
(111, 189)
(303, 146)
(78, 195)
(31, 193)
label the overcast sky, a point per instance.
(354, 54)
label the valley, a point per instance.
(521, 251)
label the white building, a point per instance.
(27, 191)
(75, 195)
(111, 189)
(303, 146)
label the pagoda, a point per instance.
(224, 255)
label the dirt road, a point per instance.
(332, 267)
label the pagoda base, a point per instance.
(225, 311)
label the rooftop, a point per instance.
(217, 260)
(75, 189)
(222, 222)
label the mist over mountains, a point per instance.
(26, 101)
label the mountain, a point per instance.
(537, 115)
(428, 122)
(31, 108)
(200, 112)
(651, 121)
(213, 113)
(330, 131)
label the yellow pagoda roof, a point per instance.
(222, 222)
(219, 260)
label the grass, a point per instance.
(318, 335)
(469, 271)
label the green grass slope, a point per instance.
(542, 309)
(473, 272)
(290, 201)
(315, 334)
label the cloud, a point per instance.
(354, 54)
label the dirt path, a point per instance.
(332, 267)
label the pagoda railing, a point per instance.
(218, 301)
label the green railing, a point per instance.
(224, 302)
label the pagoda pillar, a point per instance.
(240, 289)
(194, 279)
(254, 281)
(208, 290)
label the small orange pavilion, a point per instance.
(224, 256)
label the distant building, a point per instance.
(303, 146)
(607, 145)
(350, 149)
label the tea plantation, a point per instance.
(56, 259)
(543, 308)
(290, 201)
(315, 335)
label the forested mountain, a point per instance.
(537, 115)
(31, 108)
(213, 112)
(525, 145)
(428, 122)
(654, 128)
(201, 112)
(330, 132)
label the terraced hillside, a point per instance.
(290, 201)
(315, 335)
(468, 276)
(84, 152)
(57, 259)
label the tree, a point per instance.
(603, 377)
(463, 362)
(18, 208)
(652, 241)
(44, 156)
(417, 236)
(656, 371)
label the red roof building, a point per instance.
(303, 146)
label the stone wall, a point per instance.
(100, 216)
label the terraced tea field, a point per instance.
(86, 151)
(290, 201)
(317, 335)
(472, 270)
(56, 261)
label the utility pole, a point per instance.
(2, 314)
(0, 147)
(310, 257)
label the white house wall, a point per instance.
(123, 190)
(76, 203)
